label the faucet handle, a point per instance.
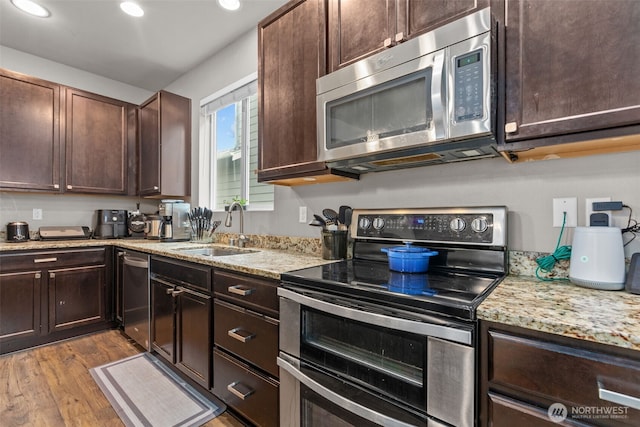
(242, 241)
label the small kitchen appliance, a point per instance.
(17, 231)
(152, 224)
(111, 224)
(597, 258)
(383, 347)
(174, 220)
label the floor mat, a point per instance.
(144, 392)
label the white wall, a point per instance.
(526, 189)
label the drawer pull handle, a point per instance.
(240, 335)
(619, 398)
(234, 388)
(240, 290)
(39, 260)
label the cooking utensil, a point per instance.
(409, 258)
(330, 215)
(17, 231)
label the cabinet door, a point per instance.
(571, 66)
(149, 156)
(96, 143)
(19, 305)
(291, 58)
(359, 28)
(30, 133)
(193, 352)
(165, 146)
(416, 17)
(76, 297)
(163, 320)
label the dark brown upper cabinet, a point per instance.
(571, 78)
(29, 133)
(97, 142)
(360, 28)
(59, 139)
(165, 146)
(291, 56)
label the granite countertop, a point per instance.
(560, 307)
(270, 263)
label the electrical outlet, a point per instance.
(37, 214)
(302, 214)
(568, 205)
(588, 208)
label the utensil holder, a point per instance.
(334, 244)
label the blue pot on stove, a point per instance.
(409, 258)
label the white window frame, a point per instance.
(207, 162)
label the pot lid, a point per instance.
(408, 248)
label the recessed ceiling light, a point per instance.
(32, 8)
(131, 8)
(230, 4)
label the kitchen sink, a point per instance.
(212, 252)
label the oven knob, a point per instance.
(378, 223)
(479, 225)
(364, 223)
(457, 224)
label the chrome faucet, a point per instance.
(242, 240)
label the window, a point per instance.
(229, 148)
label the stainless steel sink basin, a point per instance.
(212, 252)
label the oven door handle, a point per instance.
(461, 336)
(353, 407)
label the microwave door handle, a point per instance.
(337, 399)
(438, 97)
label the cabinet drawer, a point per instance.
(250, 292)
(248, 335)
(45, 259)
(193, 275)
(506, 412)
(252, 395)
(544, 372)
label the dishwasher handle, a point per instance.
(135, 261)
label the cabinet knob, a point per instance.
(511, 127)
(241, 335)
(240, 290)
(69, 187)
(388, 42)
(400, 37)
(52, 275)
(235, 387)
(155, 187)
(56, 186)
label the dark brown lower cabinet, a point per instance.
(47, 296)
(246, 325)
(253, 395)
(181, 315)
(76, 297)
(20, 305)
(531, 378)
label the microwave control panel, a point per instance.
(468, 74)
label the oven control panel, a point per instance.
(484, 226)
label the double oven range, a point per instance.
(363, 345)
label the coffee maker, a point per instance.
(174, 220)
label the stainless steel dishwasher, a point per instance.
(136, 315)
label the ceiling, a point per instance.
(149, 52)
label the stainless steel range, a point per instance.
(361, 344)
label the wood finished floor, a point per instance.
(51, 386)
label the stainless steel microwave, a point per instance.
(428, 100)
